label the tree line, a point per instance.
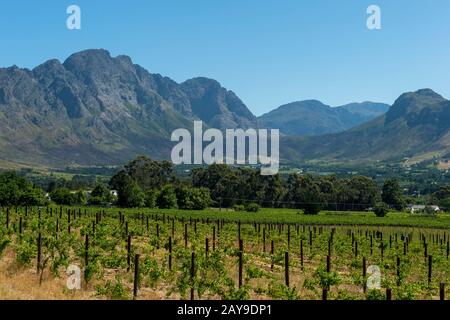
(144, 182)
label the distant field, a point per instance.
(292, 216)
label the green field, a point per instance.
(400, 219)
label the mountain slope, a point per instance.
(418, 122)
(311, 117)
(95, 109)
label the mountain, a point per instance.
(417, 124)
(96, 109)
(312, 117)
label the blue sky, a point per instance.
(269, 52)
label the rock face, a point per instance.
(96, 109)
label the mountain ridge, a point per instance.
(312, 117)
(416, 123)
(94, 109)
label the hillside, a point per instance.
(417, 123)
(312, 117)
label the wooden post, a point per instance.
(430, 268)
(324, 294)
(388, 294)
(7, 218)
(20, 225)
(128, 253)
(442, 291)
(206, 246)
(136, 276)
(286, 268)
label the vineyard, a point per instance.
(143, 254)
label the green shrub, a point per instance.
(252, 207)
(381, 209)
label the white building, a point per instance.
(421, 208)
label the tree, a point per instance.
(15, 190)
(167, 198)
(381, 209)
(130, 195)
(100, 195)
(358, 193)
(150, 198)
(305, 193)
(392, 194)
(193, 198)
(150, 174)
(32, 196)
(63, 196)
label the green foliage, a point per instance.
(252, 207)
(227, 184)
(150, 198)
(381, 209)
(130, 194)
(100, 195)
(114, 290)
(305, 193)
(16, 191)
(147, 173)
(167, 198)
(375, 295)
(63, 196)
(193, 198)
(282, 292)
(392, 194)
